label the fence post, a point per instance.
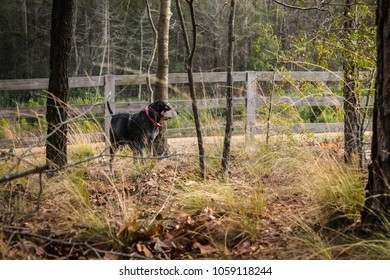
(251, 90)
(109, 96)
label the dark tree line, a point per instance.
(25, 35)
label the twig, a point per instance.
(10, 177)
(319, 7)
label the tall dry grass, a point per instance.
(89, 200)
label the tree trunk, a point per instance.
(25, 22)
(189, 66)
(377, 203)
(152, 54)
(229, 91)
(106, 37)
(141, 47)
(160, 146)
(56, 114)
(353, 150)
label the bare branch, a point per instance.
(11, 177)
(319, 7)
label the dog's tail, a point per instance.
(108, 104)
(109, 108)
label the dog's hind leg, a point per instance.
(113, 148)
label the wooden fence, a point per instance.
(251, 100)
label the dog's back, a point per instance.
(119, 127)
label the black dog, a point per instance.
(139, 130)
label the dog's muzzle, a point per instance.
(171, 114)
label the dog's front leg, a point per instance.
(149, 149)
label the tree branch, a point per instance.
(319, 7)
(14, 176)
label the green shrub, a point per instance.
(4, 124)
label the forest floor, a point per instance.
(152, 211)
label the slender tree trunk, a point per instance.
(189, 66)
(56, 114)
(106, 36)
(229, 91)
(160, 146)
(377, 203)
(77, 58)
(25, 23)
(141, 52)
(353, 150)
(162, 50)
(153, 53)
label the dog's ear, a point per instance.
(162, 106)
(167, 107)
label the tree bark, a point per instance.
(160, 146)
(56, 114)
(353, 150)
(229, 91)
(377, 203)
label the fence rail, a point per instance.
(174, 78)
(251, 101)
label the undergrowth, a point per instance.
(293, 198)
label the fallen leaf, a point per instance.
(246, 247)
(128, 227)
(183, 218)
(204, 249)
(160, 246)
(109, 256)
(142, 248)
(154, 231)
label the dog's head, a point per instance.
(165, 110)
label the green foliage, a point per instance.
(82, 96)
(81, 151)
(316, 114)
(265, 48)
(77, 179)
(4, 125)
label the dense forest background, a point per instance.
(117, 34)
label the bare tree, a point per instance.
(106, 37)
(377, 203)
(56, 114)
(229, 91)
(190, 58)
(160, 144)
(153, 53)
(353, 150)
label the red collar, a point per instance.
(156, 124)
